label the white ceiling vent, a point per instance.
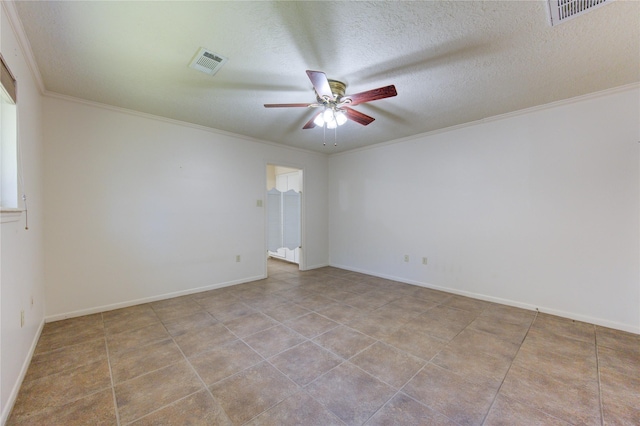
(563, 10)
(207, 61)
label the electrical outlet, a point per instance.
(406, 257)
(22, 318)
(424, 260)
(237, 258)
(259, 203)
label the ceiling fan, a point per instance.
(335, 106)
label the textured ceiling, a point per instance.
(452, 62)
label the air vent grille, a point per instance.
(207, 61)
(563, 10)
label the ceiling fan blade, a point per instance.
(357, 116)
(310, 124)
(372, 95)
(320, 83)
(286, 105)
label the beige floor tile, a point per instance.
(565, 327)
(135, 338)
(145, 394)
(311, 325)
(344, 341)
(163, 354)
(403, 410)
(65, 358)
(298, 409)
(474, 340)
(214, 299)
(305, 362)
(126, 365)
(477, 366)
(417, 344)
(62, 388)
(96, 409)
(224, 361)
(175, 308)
(514, 333)
(507, 412)
(128, 312)
(181, 325)
(286, 311)
(350, 393)
(74, 325)
(459, 399)
(558, 344)
(623, 362)
(199, 409)
(508, 314)
(274, 340)
(230, 311)
(574, 404)
(388, 364)
(72, 333)
(619, 387)
(341, 313)
(315, 302)
(265, 302)
(459, 317)
(574, 368)
(375, 327)
(250, 324)
(411, 305)
(467, 304)
(429, 294)
(617, 414)
(252, 391)
(131, 318)
(618, 340)
(367, 301)
(204, 339)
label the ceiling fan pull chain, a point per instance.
(324, 135)
(335, 136)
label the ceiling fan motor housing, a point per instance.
(338, 89)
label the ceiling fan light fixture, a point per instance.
(341, 117)
(319, 121)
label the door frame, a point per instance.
(303, 233)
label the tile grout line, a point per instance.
(113, 385)
(484, 419)
(428, 362)
(186, 359)
(595, 333)
(158, 369)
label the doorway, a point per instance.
(284, 213)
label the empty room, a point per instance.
(320, 213)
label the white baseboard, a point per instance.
(310, 267)
(23, 372)
(126, 304)
(570, 315)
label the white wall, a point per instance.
(140, 208)
(21, 265)
(539, 209)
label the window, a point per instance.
(8, 140)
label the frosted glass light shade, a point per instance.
(331, 118)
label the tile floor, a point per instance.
(329, 347)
